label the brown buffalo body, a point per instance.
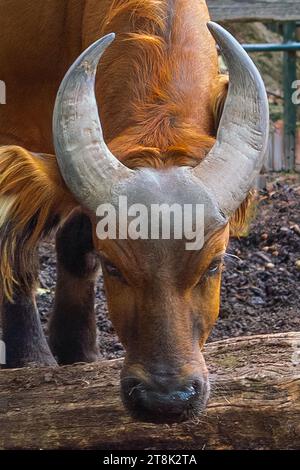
(160, 99)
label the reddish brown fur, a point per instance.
(172, 66)
(39, 198)
(159, 94)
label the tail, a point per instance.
(33, 201)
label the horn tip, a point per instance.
(108, 39)
(212, 26)
(111, 36)
(216, 30)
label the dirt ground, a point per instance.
(261, 288)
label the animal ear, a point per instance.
(33, 201)
(219, 94)
(241, 219)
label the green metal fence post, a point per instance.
(290, 112)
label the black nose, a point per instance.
(162, 404)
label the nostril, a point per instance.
(183, 395)
(198, 385)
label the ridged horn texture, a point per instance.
(230, 168)
(86, 163)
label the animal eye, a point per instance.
(214, 268)
(112, 270)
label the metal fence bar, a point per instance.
(289, 46)
(290, 111)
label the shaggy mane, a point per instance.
(162, 109)
(33, 201)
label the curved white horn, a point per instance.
(86, 164)
(230, 168)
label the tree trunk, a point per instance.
(255, 403)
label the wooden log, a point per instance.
(264, 10)
(255, 403)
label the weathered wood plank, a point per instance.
(264, 10)
(255, 403)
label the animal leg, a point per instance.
(72, 329)
(25, 342)
(33, 201)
